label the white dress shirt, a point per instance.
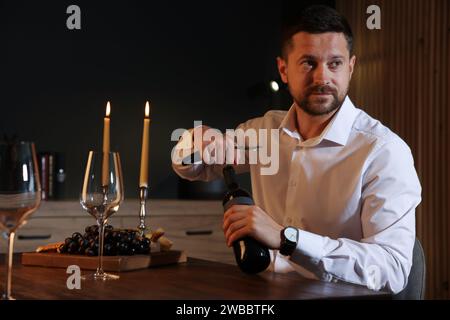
(351, 192)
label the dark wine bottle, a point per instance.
(251, 256)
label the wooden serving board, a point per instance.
(110, 263)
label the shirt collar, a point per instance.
(289, 125)
(337, 131)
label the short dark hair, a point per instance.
(315, 19)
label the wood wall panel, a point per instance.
(402, 79)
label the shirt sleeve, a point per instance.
(198, 169)
(382, 259)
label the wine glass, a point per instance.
(20, 194)
(101, 195)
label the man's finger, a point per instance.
(235, 208)
(235, 216)
(234, 227)
(238, 234)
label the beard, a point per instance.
(319, 105)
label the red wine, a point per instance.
(251, 256)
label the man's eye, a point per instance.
(307, 64)
(335, 64)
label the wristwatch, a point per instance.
(289, 239)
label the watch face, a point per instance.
(291, 234)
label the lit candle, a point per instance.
(143, 177)
(106, 146)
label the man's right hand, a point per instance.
(202, 143)
(197, 138)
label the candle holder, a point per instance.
(143, 191)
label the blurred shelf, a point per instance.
(130, 207)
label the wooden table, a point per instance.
(196, 279)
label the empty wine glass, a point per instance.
(101, 196)
(20, 194)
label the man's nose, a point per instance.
(321, 75)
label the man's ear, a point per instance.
(282, 69)
(352, 65)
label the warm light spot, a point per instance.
(108, 109)
(25, 173)
(274, 86)
(147, 109)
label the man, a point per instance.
(346, 187)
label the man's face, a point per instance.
(317, 69)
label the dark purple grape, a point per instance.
(118, 236)
(128, 238)
(83, 243)
(135, 243)
(93, 245)
(67, 241)
(90, 252)
(144, 248)
(146, 241)
(109, 250)
(72, 247)
(114, 235)
(81, 250)
(108, 235)
(62, 248)
(92, 229)
(143, 245)
(123, 248)
(76, 236)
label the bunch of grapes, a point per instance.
(117, 242)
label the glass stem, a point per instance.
(101, 238)
(9, 263)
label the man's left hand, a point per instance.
(243, 220)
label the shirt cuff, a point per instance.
(309, 245)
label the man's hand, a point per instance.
(198, 143)
(242, 220)
(215, 147)
(190, 142)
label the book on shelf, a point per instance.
(52, 175)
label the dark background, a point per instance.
(194, 60)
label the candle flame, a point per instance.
(108, 109)
(147, 109)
